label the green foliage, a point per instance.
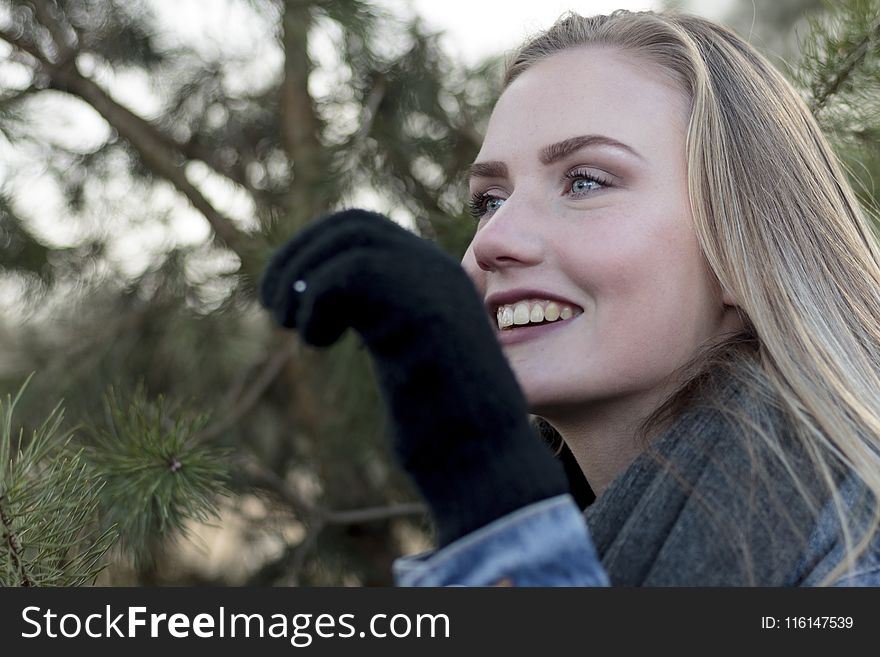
(840, 73)
(842, 55)
(21, 251)
(121, 34)
(48, 506)
(158, 474)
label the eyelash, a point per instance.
(478, 200)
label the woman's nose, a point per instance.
(507, 239)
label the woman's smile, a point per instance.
(517, 334)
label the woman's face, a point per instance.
(582, 186)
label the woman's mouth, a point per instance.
(528, 320)
(536, 311)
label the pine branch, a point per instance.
(48, 499)
(46, 13)
(196, 151)
(315, 517)
(14, 544)
(831, 85)
(159, 152)
(300, 125)
(308, 512)
(269, 372)
(291, 562)
(368, 115)
(158, 475)
(470, 135)
(260, 476)
(23, 45)
(373, 514)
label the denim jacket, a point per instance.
(544, 544)
(548, 544)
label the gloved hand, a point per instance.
(458, 418)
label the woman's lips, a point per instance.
(525, 332)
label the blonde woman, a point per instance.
(686, 296)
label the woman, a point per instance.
(658, 201)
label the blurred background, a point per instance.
(153, 153)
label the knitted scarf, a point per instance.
(708, 504)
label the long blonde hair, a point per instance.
(782, 231)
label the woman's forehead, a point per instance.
(588, 91)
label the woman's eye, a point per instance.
(483, 204)
(578, 182)
(493, 203)
(585, 185)
(582, 182)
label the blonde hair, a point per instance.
(783, 232)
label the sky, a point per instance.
(476, 28)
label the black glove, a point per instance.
(459, 420)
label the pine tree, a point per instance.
(401, 120)
(840, 73)
(49, 529)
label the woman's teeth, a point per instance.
(532, 312)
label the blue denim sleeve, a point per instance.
(544, 544)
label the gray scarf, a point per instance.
(708, 504)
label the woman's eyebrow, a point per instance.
(493, 169)
(549, 155)
(559, 150)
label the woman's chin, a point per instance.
(546, 406)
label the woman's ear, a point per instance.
(728, 298)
